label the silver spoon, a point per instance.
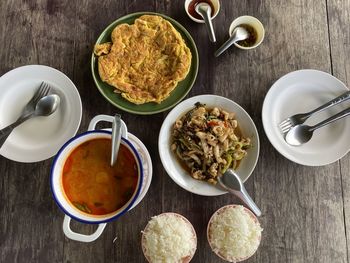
(116, 138)
(45, 107)
(238, 34)
(205, 11)
(233, 184)
(302, 133)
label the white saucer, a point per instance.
(302, 91)
(39, 138)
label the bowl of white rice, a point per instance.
(234, 233)
(169, 237)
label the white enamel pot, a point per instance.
(71, 212)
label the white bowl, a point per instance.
(172, 164)
(217, 214)
(215, 3)
(189, 257)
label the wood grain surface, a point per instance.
(306, 210)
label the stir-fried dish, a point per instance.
(208, 142)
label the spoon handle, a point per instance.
(5, 132)
(341, 98)
(334, 118)
(226, 45)
(249, 201)
(116, 138)
(210, 28)
(245, 198)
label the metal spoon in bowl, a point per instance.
(238, 34)
(116, 138)
(302, 133)
(204, 10)
(45, 107)
(233, 184)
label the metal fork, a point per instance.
(28, 109)
(41, 92)
(300, 118)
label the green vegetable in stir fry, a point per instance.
(208, 142)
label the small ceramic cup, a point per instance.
(60, 197)
(216, 5)
(253, 22)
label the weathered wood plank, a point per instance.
(28, 230)
(339, 19)
(302, 205)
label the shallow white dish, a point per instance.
(301, 91)
(172, 164)
(39, 138)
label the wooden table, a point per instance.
(305, 209)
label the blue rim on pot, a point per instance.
(119, 212)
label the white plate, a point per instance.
(302, 91)
(173, 166)
(39, 138)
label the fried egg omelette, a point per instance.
(145, 60)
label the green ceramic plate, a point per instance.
(176, 95)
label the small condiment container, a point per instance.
(254, 27)
(190, 7)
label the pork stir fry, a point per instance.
(208, 142)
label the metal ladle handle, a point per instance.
(116, 138)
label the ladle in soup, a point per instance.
(116, 137)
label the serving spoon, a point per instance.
(302, 133)
(45, 107)
(204, 10)
(231, 181)
(116, 138)
(238, 34)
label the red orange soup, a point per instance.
(92, 185)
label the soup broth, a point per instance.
(92, 185)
